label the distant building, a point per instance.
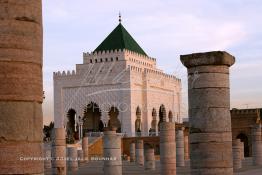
(242, 120)
(117, 85)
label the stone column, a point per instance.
(73, 162)
(59, 146)
(47, 161)
(209, 116)
(167, 148)
(180, 156)
(242, 150)
(186, 146)
(112, 152)
(132, 152)
(85, 148)
(21, 90)
(237, 159)
(140, 152)
(150, 159)
(256, 145)
(80, 155)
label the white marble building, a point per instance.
(117, 85)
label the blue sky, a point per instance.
(165, 29)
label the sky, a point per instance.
(165, 29)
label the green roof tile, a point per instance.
(119, 38)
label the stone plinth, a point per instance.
(180, 156)
(73, 162)
(167, 148)
(209, 116)
(237, 159)
(150, 159)
(59, 150)
(21, 90)
(256, 145)
(132, 152)
(112, 153)
(47, 161)
(85, 148)
(186, 146)
(140, 152)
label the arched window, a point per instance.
(138, 122)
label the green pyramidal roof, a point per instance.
(119, 38)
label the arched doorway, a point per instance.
(113, 119)
(152, 130)
(71, 127)
(162, 115)
(138, 122)
(244, 139)
(92, 118)
(170, 116)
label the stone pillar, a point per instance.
(59, 146)
(85, 148)
(132, 152)
(180, 156)
(242, 150)
(21, 90)
(209, 116)
(186, 146)
(73, 162)
(150, 159)
(47, 161)
(112, 152)
(256, 145)
(80, 156)
(140, 152)
(167, 148)
(237, 159)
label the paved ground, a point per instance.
(96, 168)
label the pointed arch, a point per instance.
(71, 128)
(113, 119)
(92, 118)
(170, 116)
(162, 115)
(153, 128)
(244, 138)
(138, 121)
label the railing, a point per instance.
(94, 134)
(137, 134)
